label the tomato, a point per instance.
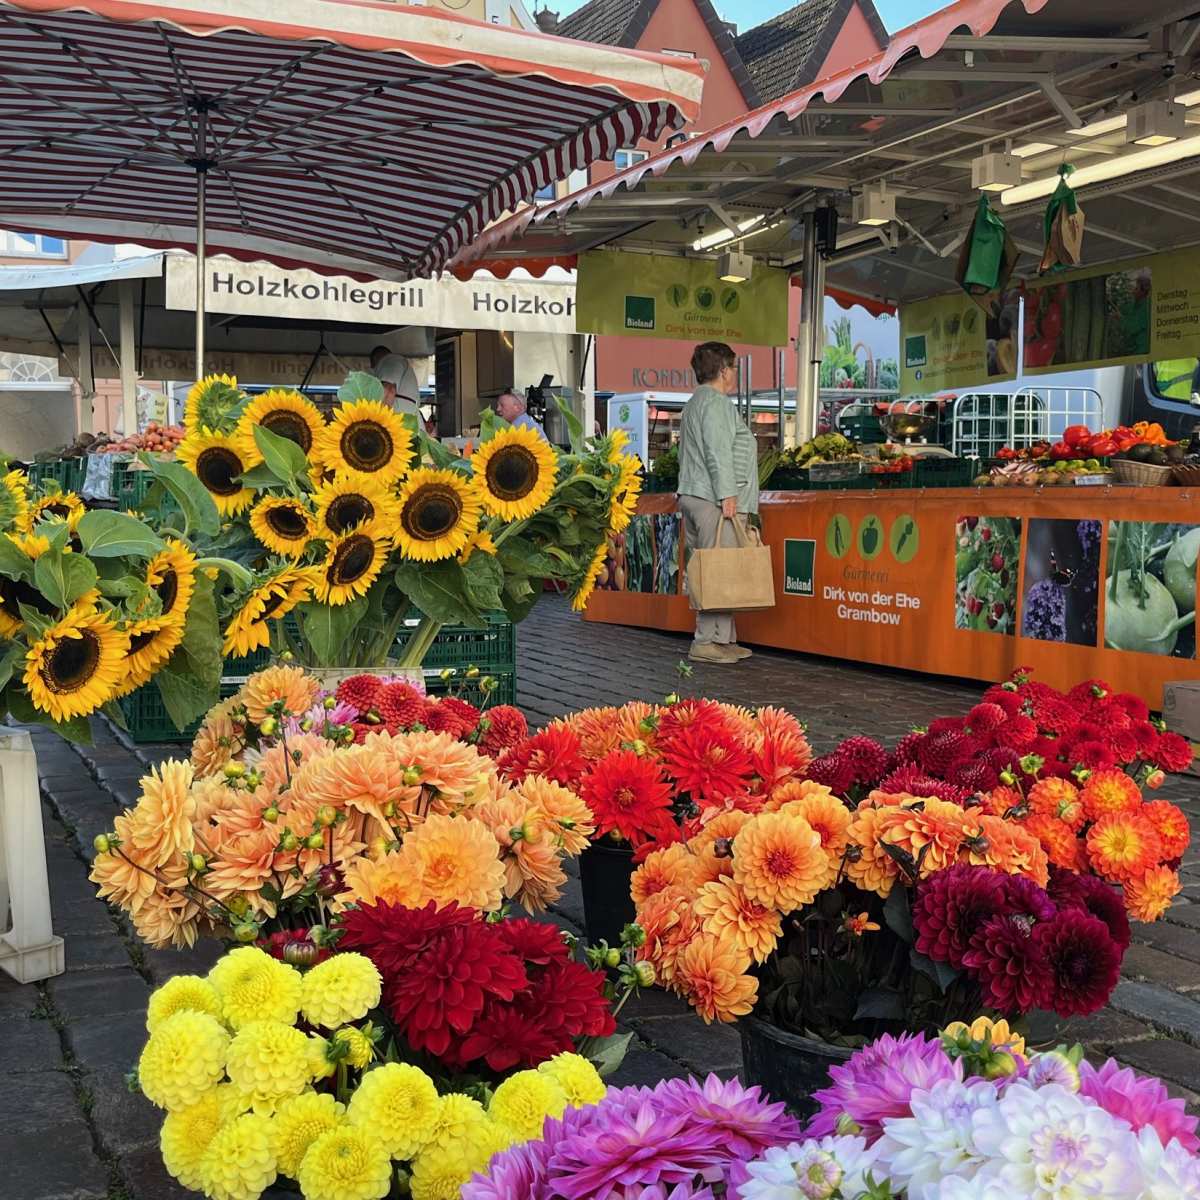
(1076, 435)
(1006, 452)
(1040, 352)
(1052, 320)
(1102, 447)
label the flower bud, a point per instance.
(1007, 778)
(198, 863)
(315, 841)
(238, 904)
(671, 699)
(446, 674)
(327, 815)
(301, 954)
(1156, 779)
(330, 881)
(472, 672)
(288, 841)
(633, 935)
(245, 932)
(390, 809)
(287, 656)
(235, 770)
(847, 1126)
(270, 814)
(639, 748)
(723, 848)
(612, 957)
(379, 847)
(644, 973)
(307, 724)
(269, 727)
(999, 1065)
(329, 703)
(103, 843)
(411, 776)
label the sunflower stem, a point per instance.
(242, 579)
(379, 655)
(417, 646)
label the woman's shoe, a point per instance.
(740, 651)
(712, 652)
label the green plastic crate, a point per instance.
(492, 649)
(68, 473)
(131, 486)
(468, 689)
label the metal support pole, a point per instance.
(201, 268)
(87, 385)
(128, 352)
(749, 376)
(808, 348)
(781, 370)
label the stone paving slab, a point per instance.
(68, 1043)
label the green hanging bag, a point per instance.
(987, 259)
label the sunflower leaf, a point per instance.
(327, 626)
(574, 425)
(199, 508)
(438, 590)
(519, 556)
(8, 664)
(360, 385)
(63, 578)
(260, 477)
(22, 708)
(36, 623)
(190, 682)
(113, 535)
(520, 595)
(14, 562)
(281, 456)
(483, 579)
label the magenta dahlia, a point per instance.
(1024, 898)
(1009, 965)
(952, 906)
(974, 774)
(1139, 1099)
(736, 1117)
(867, 759)
(1084, 962)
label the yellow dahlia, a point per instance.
(353, 563)
(360, 1049)
(184, 993)
(283, 525)
(515, 471)
(1148, 896)
(76, 665)
(185, 1135)
(218, 460)
(254, 986)
(269, 1061)
(370, 438)
(397, 1104)
(345, 987)
(730, 915)
(998, 1031)
(779, 862)
(239, 1162)
(439, 511)
(285, 413)
(270, 601)
(345, 1163)
(276, 691)
(711, 972)
(299, 1121)
(458, 1117)
(183, 1060)
(458, 860)
(350, 499)
(439, 1172)
(577, 1077)
(162, 821)
(1123, 846)
(523, 1102)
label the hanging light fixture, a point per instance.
(1155, 123)
(995, 172)
(735, 267)
(874, 205)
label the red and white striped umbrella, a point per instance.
(362, 138)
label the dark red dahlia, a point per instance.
(393, 937)
(1010, 966)
(506, 727)
(1173, 753)
(555, 753)
(983, 718)
(942, 724)
(1025, 898)
(952, 906)
(974, 774)
(359, 691)
(1018, 731)
(833, 771)
(940, 750)
(913, 781)
(908, 748)
(866, 757)
(1095, 756)
(1147, 738)
(1083, 960)
(507, 1036)
(536, 942)
(1003, 758)
(1088, 894)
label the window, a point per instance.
(680, 53)
(32, 244)
(624, 159)
(547, 192)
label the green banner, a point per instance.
(647, 295)
(948, 343)
(1144, 309)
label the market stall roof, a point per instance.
(372, 138)
(1053, 78)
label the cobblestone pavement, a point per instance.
(69, 1130)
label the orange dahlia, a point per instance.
(674, 865)
(597, 731)
(729, 914)
(162, 822)
(279, 764)
(169, 917)
(670, 923)
(708, 864)
(828, 816)
(455, 770)
(794, 789)
(1170, 825)
(779, 862)
(242, 864)
(931, 830)
(711, 972)
(1123, 846)
(278, 691)
(361, 778)
(391, 879)
(1000, 800)
(869, 866)
(636, 722)
(212, 796)
(1149, 896)
(1004, 846)
(1110, 791)
(459, 861)
(1060, 800)
(533, 875)
(1062, 847)
(568, 820)
(218, 741)
(782, 751)
(118, 880)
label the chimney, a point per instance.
(547, 21)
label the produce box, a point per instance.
(1181, 712)
(470, 691)
(68, 473)
(492, 650)
(131, 485)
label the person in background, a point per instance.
(511, 406)
(718, 479)
(379, 353)
(399, 381)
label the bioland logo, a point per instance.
(799, 558)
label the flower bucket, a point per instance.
(604, 876)
(785, 1065)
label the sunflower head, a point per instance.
(171, 575)
(439, 511)
(287, 414)
(370, 438)
(57, 506)
(217, 460)
(350, 499)
(151, 642)
(283, 524)
(14, 500)
(210, 401)
(584, 584)
(352, 565)
(269, 601)
(76, 665)
(516, 472)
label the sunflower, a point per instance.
(171, 575)
(582, 592)
(217, 459)
(285, 413)
(481, 540)
(65, 506)
(210, 400)
(352, 565)
(282, 524)
(74, 667)
(516, 473)
(369, 437)
(625, 495)
(270, 601)
(151, 642)
(352, 498)
(439, 511)
(14, 500)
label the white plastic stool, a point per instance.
(28, 948)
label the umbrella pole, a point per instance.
(201, 181)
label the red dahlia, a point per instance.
(941, 749)
(359, 691)
(1134, 706)
(536, 942)
(983, 718)
(708, 763)
(1124, 745)
(1054, 716)
(1086, 893)
(1083, 960)
(832, 771)
(1095, 756)
(400, 705)
(690, 714)
(629, 795)
(393, 937)
(506, 727)
(1010, 966)
(1009, 701)
(866, 757)
(1147, 738)
(914, 782)
(1173, 753)
(453, 716)
(942, 724)
(976, 775)
(1089, 694)
(507, 1036)
(555, 753)
(951, 907)
(908, 748)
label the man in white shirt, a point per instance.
(399, 381)
(510, 406)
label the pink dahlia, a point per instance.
(952, 906)
(1084, 962)
(736, 1117)
(1139, 1099)
(878, 1082)
(866, 757)
(1009, 965)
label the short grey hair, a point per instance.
(520, 399)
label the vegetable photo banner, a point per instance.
(651, 296)
(1142, 309)
(949, 343)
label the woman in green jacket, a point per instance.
(718, 479)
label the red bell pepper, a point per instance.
(1061, 451)
(1076, 435)
(1101, 447)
